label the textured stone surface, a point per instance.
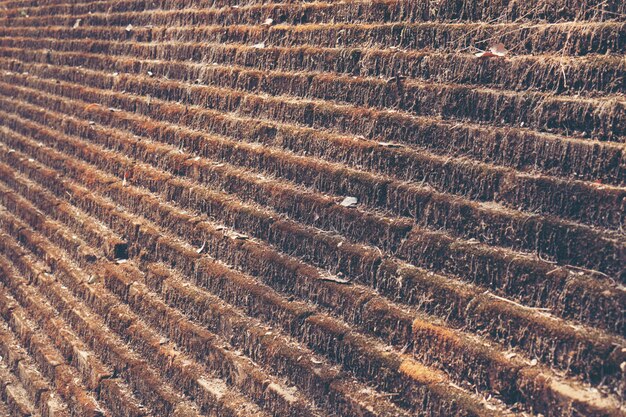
(243, 208)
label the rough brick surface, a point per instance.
(250, 208)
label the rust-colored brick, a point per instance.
(342, 208)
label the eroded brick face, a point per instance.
(358, 208)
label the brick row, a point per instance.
(438, 404)
(228, 13)
(156, 394)
(168, 251)
(321, 212)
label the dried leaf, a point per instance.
(349, 202)
(499, 50)
(202, 247)
(238, 236)
(484, 54)
(395, 79)
(336, 279)
(389, 145)
(495, 51)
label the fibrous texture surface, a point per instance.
(354, 208)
